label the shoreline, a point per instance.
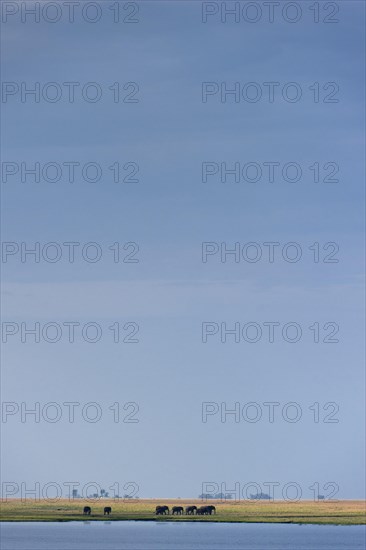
(225, 521)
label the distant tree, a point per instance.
(260, 496)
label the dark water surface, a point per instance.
(135, 535)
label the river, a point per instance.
(140, 535)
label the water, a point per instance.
(139, 535)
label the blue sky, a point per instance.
(169, 133)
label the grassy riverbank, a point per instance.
(345, 512)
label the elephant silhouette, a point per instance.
(204, 511)
(177, 510)
(107, 510)
(87, 511)
(212, 509)
(162, 510)
(191, 510)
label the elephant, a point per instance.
(178, 510)
(212, 509)
(107, 510)
(204, 511)
(87, 511)
(162, 510)
(191, 510)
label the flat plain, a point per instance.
(342, 512)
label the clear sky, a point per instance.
(169, 212)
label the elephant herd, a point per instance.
(189, 511)
(87, 510)
(164, 510)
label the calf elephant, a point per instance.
(191, 510)
(162, 510)
(107, 510)
(87, 511)
(177, 510)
